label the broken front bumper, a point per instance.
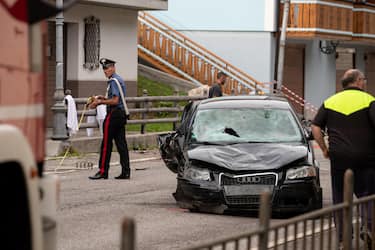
(299, 196)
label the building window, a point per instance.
(92, 42)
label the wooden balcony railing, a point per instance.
(338, 20)
(176, 54)
(364, 23)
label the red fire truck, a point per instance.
(28, 197)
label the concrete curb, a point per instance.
(92, 144)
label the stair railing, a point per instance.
(189, 59)
(197, 64)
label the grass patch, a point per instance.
(152, 127)
(155, 89)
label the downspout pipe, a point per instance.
(280, 68)
(277, 42)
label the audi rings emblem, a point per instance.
(249, 179)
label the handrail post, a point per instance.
(175, 104)
(128, 234)
(144, 114)
(348, 210)
(264, 220)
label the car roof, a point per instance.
(248, 101)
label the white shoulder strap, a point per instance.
(106, 93)
(122, 95)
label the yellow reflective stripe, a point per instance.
(349, 101)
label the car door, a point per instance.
(171, 144)
(166, 143)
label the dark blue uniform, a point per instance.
(114, 129)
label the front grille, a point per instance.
(266, 179)
(246, 189)
(243, 200)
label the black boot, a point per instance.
(98, 176)
(123, 176)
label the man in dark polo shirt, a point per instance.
(215, 90)
(349, 117)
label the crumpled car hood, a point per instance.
(258, 156)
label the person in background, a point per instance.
(71, 119)
(216, 88)
(349, 117)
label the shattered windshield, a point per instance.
(245, 125)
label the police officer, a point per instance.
(349, 117)
(114, 123)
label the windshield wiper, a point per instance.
(245, 142)
(210, 143)
(230, 131)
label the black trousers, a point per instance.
(364, 185)
(114, 129)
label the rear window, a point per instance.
(245, 125)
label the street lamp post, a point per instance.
(59, 109)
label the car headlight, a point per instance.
(300, 172)
(197, 174)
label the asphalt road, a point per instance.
(91, 212)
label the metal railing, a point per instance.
(315, 230)
(144, 106)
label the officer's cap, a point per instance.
(105, 62)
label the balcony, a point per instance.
(336, 20)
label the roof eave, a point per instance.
(130, 4)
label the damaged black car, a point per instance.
(229, 150)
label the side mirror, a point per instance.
(179, 132)
(306, 125)
(308, 134)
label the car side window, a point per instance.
(184, 118)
